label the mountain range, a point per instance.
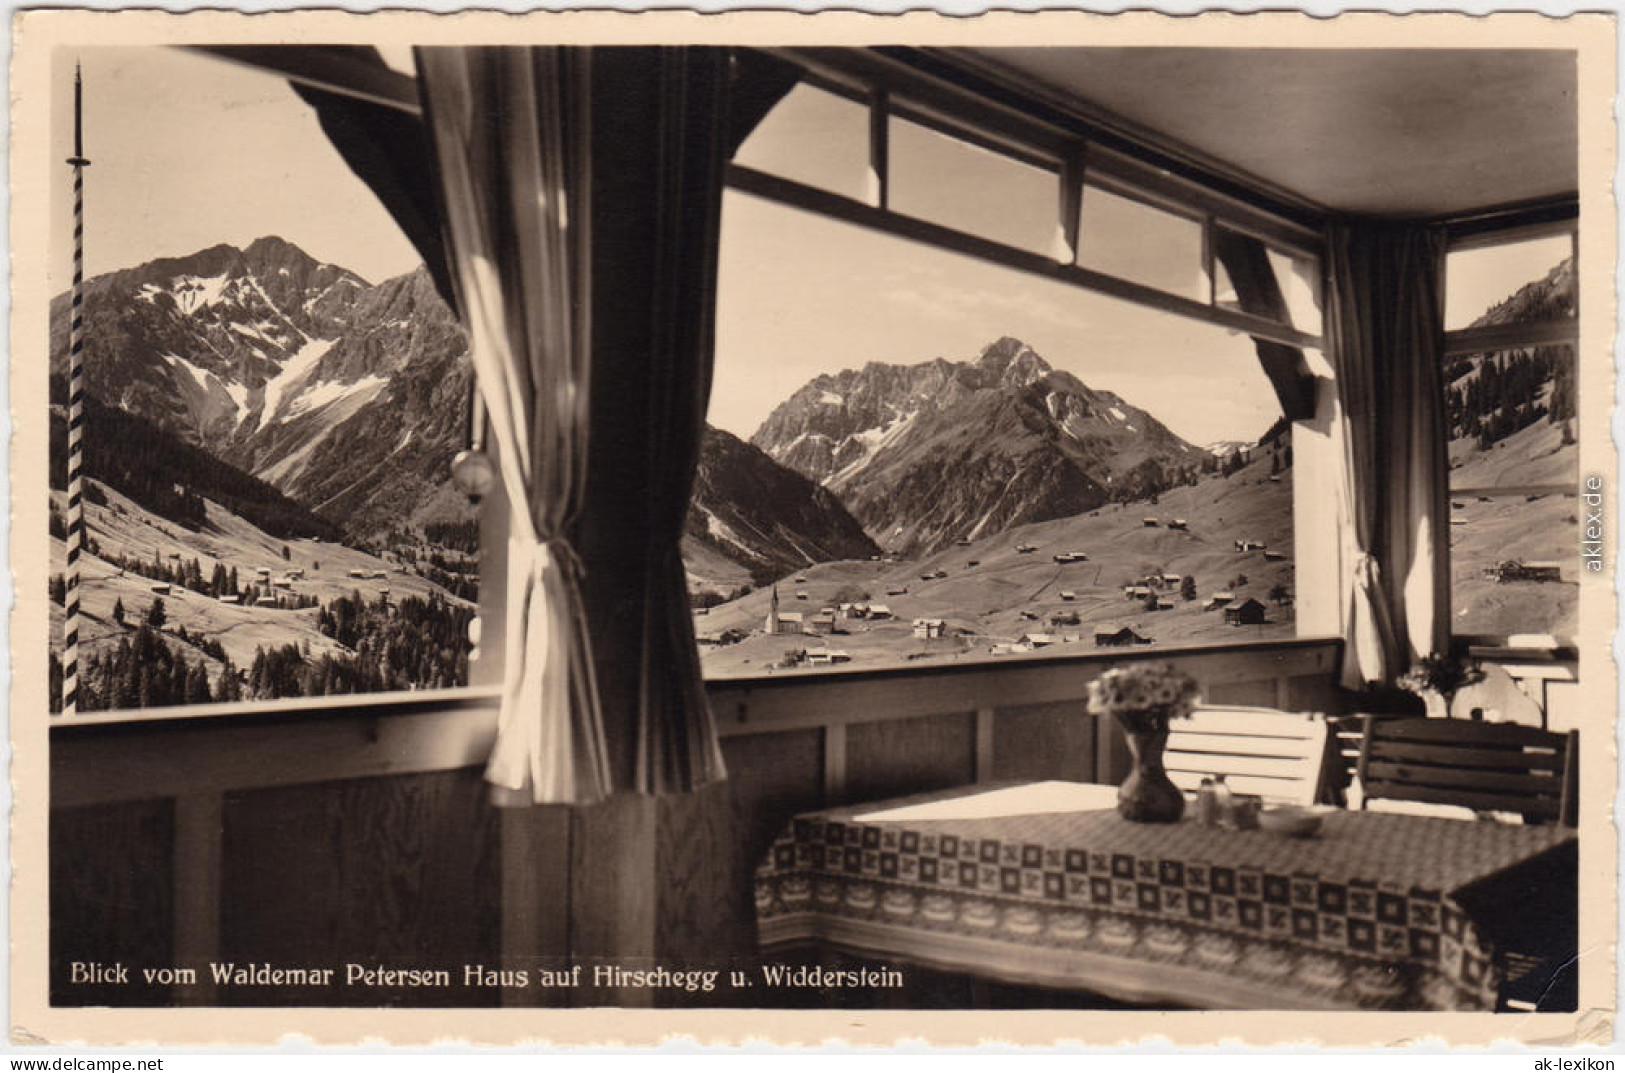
(346, 396)
(349, 398)
(929, 454)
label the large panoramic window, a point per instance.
(273, 395)
(920, 455)
(1514, 507)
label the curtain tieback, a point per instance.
(559, 552)
(548, 733)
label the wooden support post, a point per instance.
(879, 151)
(1071, 208)
(196, 904)
(984, 744)
(834, 763)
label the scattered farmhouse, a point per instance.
(1106, 637)
(1517, 570)
(1247, 613)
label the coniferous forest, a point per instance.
(412, 644)
(407, 643)
(1509, 393)
(169, 477)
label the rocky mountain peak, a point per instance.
(939, 451)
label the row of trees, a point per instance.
(169, 477)
(145, 671)
(416, 644)
(1506, 395)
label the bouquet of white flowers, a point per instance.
(1144, 696)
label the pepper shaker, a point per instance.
(1224, 801)
(1207, 804)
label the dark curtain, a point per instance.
(389, 151)
(1385, 334)
(663, 132)
(658, 126)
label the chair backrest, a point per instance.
(1281, 756)
(1503, 767)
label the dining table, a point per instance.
(1044, 883)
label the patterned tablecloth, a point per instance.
(1368, 914)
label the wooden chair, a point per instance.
(1281, 756)
(1498, 767)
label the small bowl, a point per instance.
(1290, 821)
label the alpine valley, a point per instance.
(257, 410)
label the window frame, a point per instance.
(1464, 342)
(1077, 158)
(962, 104)
(343, 71)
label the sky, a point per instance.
(188, 151)
(800, 295)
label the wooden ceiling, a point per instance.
(1386, 132)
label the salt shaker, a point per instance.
(1207, 804)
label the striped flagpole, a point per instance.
(76, 416)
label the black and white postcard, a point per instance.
(783, 527)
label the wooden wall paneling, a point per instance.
(835, 763)
(111, 900)
(909, 756)
(393, 873)
(1112, 759)
(827, 698)
(1259, 693)
(613, 896)
(707, 913)
(1315, 693)
(535, 908)
(771, 778)
(176, 755)
(1045, 741)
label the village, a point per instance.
(1218, 570)
(228, 591)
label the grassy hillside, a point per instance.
(122, 528)
(1485, 532)
(987, 604)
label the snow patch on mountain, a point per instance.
(193, 293)
(872, 441)
(293, 373)
(328, 392)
